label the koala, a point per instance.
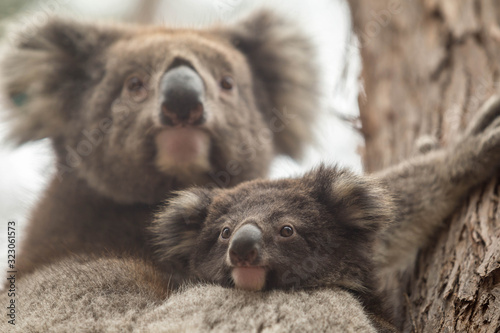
(315, 231)
(330, 227)
(136, 112)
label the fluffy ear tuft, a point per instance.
(43, 68)
(283, 63)
(360, 202)
(176, 229)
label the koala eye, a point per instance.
(227, 82)
(286, 231)
(136, 88)
(225, 233)
(134, 83)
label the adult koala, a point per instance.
(137, 112)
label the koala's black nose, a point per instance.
(245, 245)
(182, 94)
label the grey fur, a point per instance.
(107, 295)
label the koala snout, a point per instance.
(244, 249)
(182, 94)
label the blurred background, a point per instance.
(24, 170)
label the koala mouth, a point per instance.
(249, 277)
(183, 150)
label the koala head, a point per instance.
(318, 230)
(139, 111)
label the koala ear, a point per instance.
(176, 228)
(359, 202)
(283, 64)
(42, 69)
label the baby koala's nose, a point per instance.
(245, 246)
(182, 94)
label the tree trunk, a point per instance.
(427, 67)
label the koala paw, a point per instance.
(475, 157)
(486, 117)
(482, 137)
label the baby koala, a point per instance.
(330, 227)
(306, 232)
(315, 231)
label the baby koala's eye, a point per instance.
(225, 233)
(136, 88)
(227, 82)
(286, 231)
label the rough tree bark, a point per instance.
(428, 65)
